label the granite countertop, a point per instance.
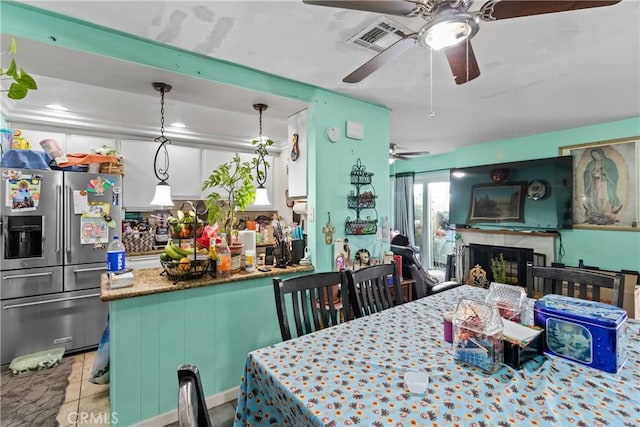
(149, 281)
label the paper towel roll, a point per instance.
(248, 239)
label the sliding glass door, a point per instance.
(431, 209)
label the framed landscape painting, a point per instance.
(497, 202)
(605, 184)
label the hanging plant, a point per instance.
(21, 81)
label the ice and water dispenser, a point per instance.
(24, 237)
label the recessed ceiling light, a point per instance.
(57, 107)
(178, 125)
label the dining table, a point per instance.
(353, 374)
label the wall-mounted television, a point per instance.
(527, 195)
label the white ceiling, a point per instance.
(538, 74)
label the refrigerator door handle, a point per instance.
(58, 218)
(22, 276)
(84, 270)
(67, 217)
(49, 301)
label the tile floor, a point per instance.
(87, 404)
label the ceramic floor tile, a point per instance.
(96, 407)
(68, 413)
(76, 371)
(72, 392)
(89, 389)
(222, 415)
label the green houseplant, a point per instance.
(499, 269)
(21, 81)
(235, 180)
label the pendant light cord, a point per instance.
(261, 150)
(162, 173)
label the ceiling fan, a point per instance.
(405, 155)
(449, 26)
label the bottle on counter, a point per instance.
(250, 261)
(580, 263)
(223, 266)
(116, 258)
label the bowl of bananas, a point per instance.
(183, 264)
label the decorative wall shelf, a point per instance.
(359, 200)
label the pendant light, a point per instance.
(262, 197)
(162, 196)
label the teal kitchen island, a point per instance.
(212, 323)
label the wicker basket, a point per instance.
(139, 242)
(114, 168)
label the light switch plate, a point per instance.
(311, 215)
(355, 130)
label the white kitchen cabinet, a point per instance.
(139, 173)
(211, 159)
(139, 179)
(185, 175)
(297, 170)
(269, 183)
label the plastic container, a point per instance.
(510, 300)
(588, 332)
(116, 258)
(477, 335)
(223, 265)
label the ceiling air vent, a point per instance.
(380, 35)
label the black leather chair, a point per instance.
(412, 268)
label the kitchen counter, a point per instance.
(148, 281)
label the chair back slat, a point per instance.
(554, 279)
(311, 303)
(369, 290)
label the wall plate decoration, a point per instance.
(333, 134)
(537, 189)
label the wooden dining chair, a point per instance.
(554, 279)
(313, 302)
(373, 289)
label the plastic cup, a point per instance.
(448, 326)
(416, 382)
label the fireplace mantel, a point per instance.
(541, 242)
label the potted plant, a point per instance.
(499, 269)
(234, 180)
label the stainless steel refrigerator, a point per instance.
(56, 227)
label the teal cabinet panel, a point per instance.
(212, 327)
(171, 349)
(125, 360)
(149, 344)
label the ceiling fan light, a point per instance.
(448, 31)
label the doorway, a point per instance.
(431, 210)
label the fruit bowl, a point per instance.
(186, 268)
(185, 230)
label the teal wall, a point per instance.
(328, 164)
(611, 250)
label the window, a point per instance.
(431, 210)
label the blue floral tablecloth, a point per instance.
(352, 374)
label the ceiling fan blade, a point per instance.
(414, 153)
(387, 55)
(501, 9)
(463, 62)
(388, 7)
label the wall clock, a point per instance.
(537, 189)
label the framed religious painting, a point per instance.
(605, 184)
